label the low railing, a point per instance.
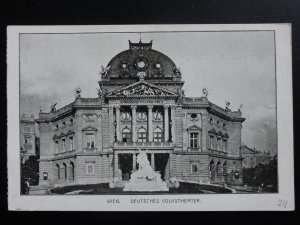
(89, 149)
(66, 153)
(217, 152)
(143, 144)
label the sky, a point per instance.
(238, 67)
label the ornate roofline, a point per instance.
(112, 93)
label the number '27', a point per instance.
(282, 203)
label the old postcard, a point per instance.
(143, 118)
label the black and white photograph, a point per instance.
(185, 113)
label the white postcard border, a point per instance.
(203, 202)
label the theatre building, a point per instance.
(140, 106)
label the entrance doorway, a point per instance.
(162, 164)
(125, 165)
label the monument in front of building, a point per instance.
(140, 105)
(145, 178)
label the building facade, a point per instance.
(252, 157)
(140, 106)
(27, 137)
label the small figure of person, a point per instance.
(27, 186)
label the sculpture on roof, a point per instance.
(205, 92)
(104, 71)
(227, 104)
(177, 71)
(53, 107)
(99, 92)
(77, 92)
(240, 108)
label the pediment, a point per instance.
(213, 131)
(194, 127)
(89, 128)
(141, 88)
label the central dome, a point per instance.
(141, 58)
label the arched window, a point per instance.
(212, 169)
(225, 169)
(142, 135)
(72, 171)
(211, 142)
(126, 135)
(65, 171)
(224, 146)
(157, 135)
(57, 171)
(219, 172)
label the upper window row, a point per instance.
(63, 148)
(218, 143)
(142, 135)
(217, 122)
(64, 123)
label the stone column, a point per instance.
(118, 123)
(134, 162)
(116, 167)
(173, 123)
(166, 123)
(152, 161)
(111, 125)
(133, 122)
(204, 131)
(150, 130)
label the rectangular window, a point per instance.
(90, 168)
(90, 140)
(219, 144)
(224, 145)
(63, 145)
(26, 129)
(142, 137)
(211, 142)
(27, 140)
(158, 137)
(194, 140)
(56, 147)
(71, 143)
(194, 168)
(126, 137)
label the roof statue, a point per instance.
(99, 92)
(77, 92)
(240, 108)
(227, 104)
(53, 107)
(104, 71)
(205, 92)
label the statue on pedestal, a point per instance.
(145, 178)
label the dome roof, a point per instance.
(140, 58)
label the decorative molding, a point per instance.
(89, 117)
(89, 128)
(193, 127)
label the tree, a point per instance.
(264, 175)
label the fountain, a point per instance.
(145, 179)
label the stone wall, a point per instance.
(182, 167)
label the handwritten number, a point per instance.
(282, 203)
